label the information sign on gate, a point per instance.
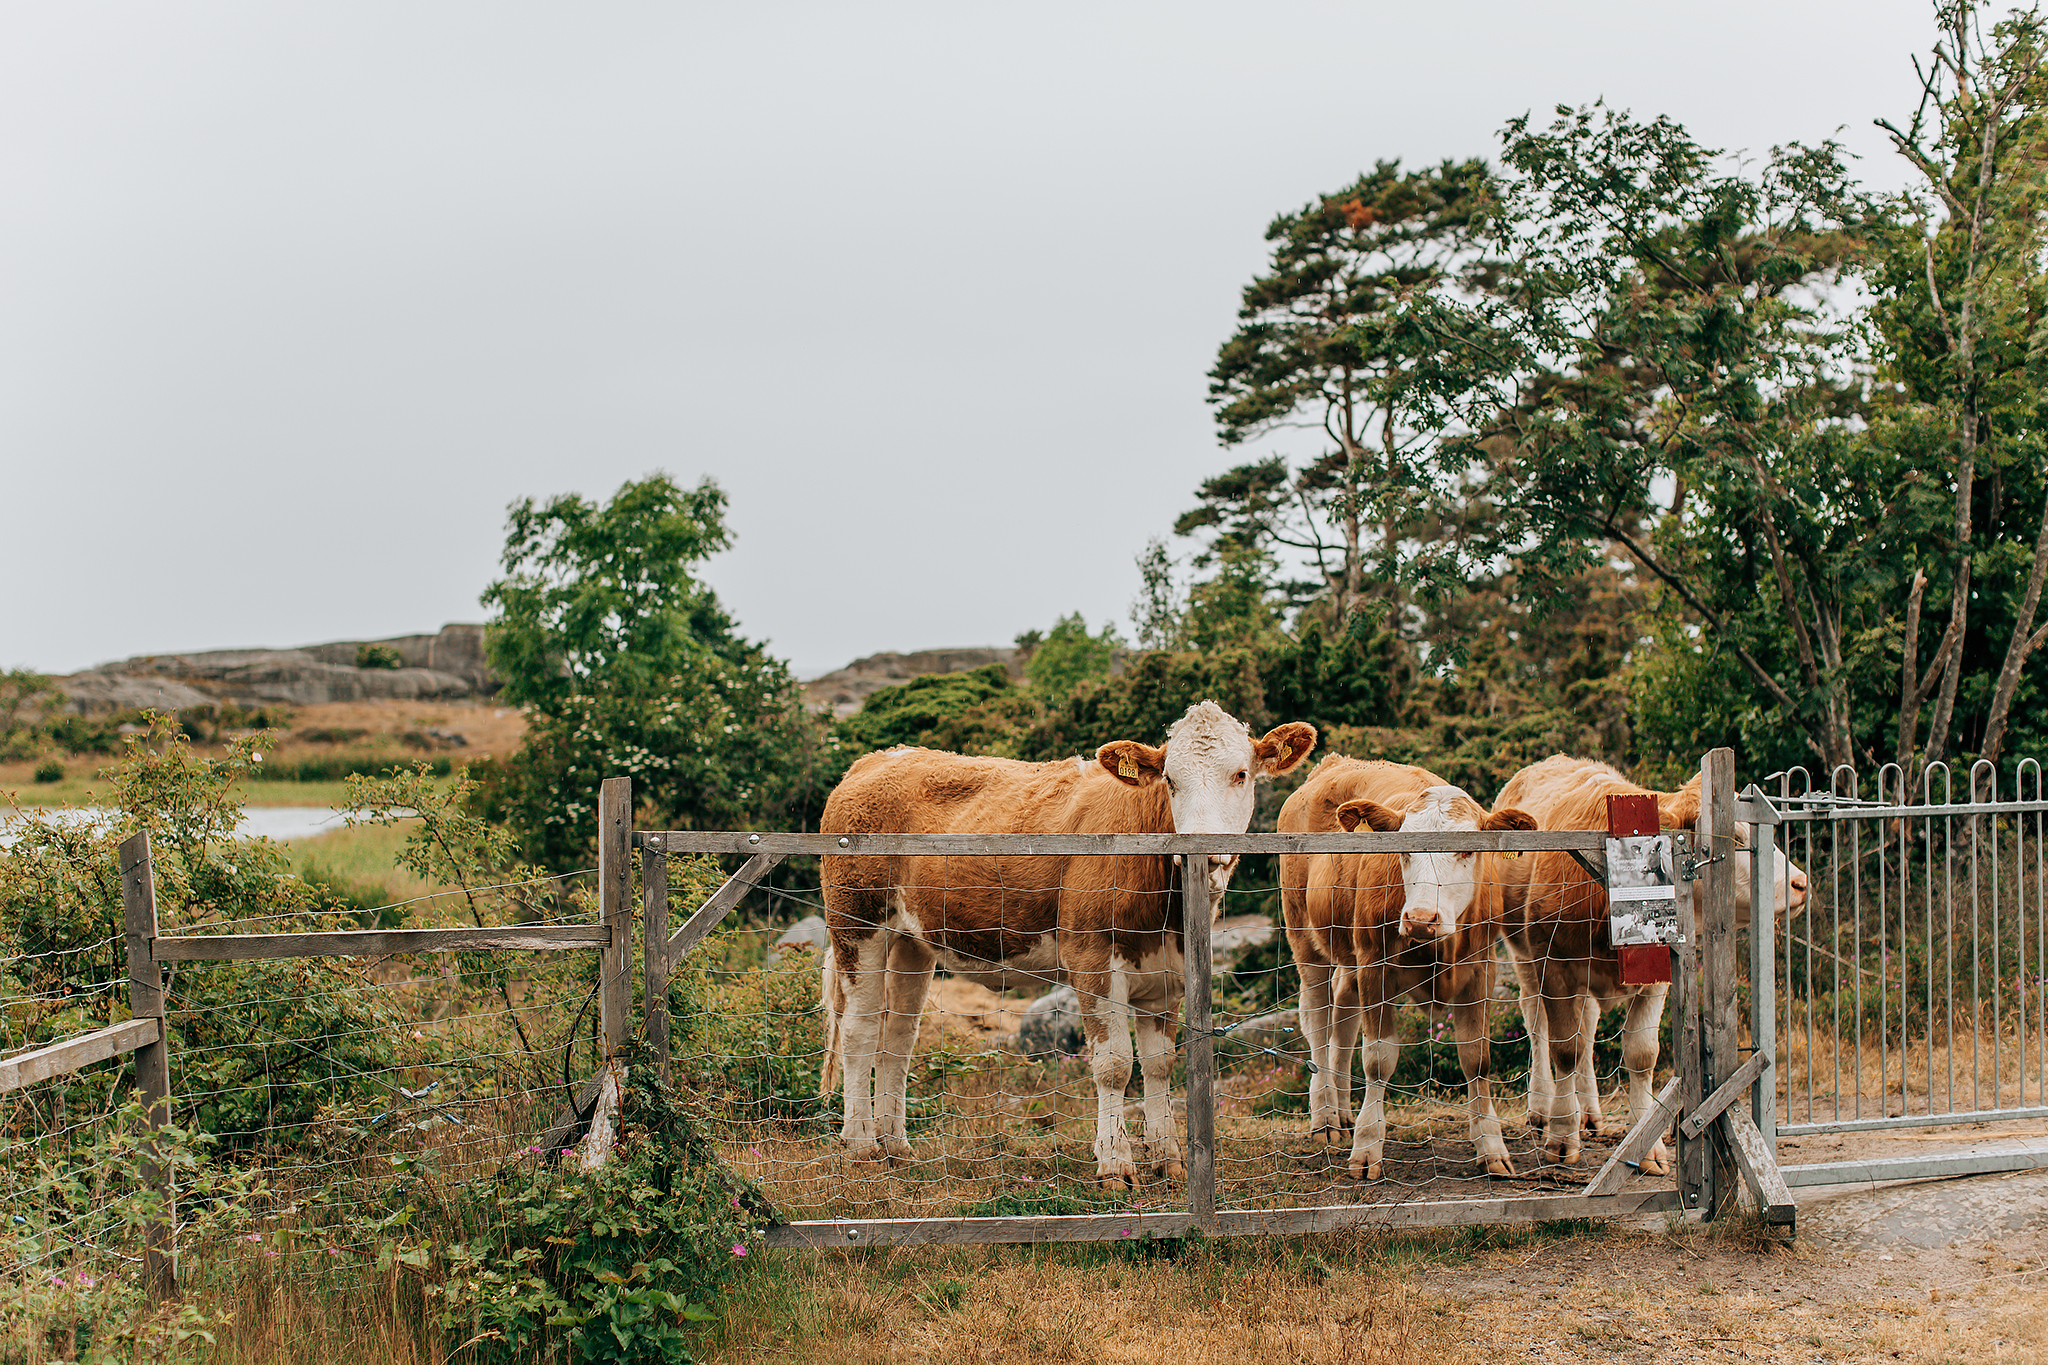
(1642, 892)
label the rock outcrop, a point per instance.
(843, 691)
(442, 666)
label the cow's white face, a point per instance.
(1787, 876)
(1438, 889)
(1210, 764)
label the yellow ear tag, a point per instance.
(1124, 766)
(1286, 752)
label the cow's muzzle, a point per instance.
(1417, 923)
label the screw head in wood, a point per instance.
(753, 838)
(654, 842)
(845, 843)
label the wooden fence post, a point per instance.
(615, 901)
(654, 963)
(152, 1060)
(1719, 1024)
(1196, 956)
(1686, 1044)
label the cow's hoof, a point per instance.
(1331, 1135)
(1589, 1123)
(1173, 1170)
(1117, 1175)
(1534, 1119)
(868, 1151)
(1562, 1153)
(1658, 1162)
(896, 1150)
(1499, 1166)
(1364, 1169)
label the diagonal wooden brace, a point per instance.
(1759, 1171)
(1641, 1138)
(1730, 1091)
(722, 900)
(1594, 863)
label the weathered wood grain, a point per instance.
(718, 905)
(152, 1060)
(1724, 1095)
(59, 1059)
(654, 961)
(851, 1232)
(1719, 1009)
(1200, 1048)
(1773, 1197)
(1641, 1138)
(1125, 845)
(615, 905)
(374, 942)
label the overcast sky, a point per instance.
(295, 298)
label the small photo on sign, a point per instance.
(1642, 895)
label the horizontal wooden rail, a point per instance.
(1113, 1227)
(26, 1068)
(372, 942)
(1122, 845)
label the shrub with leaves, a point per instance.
(611, 1263)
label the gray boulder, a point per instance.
(1236, 935)
(1052, 1026)
(806, 934)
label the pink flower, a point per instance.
(334, 1251)
(739, 1248)
(271, 1254)
(754, 1152)
(253, 1237)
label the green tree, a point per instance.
(1068, 654)
(629, 667)
(1961, 294)
(1325, 343)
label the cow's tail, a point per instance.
(832, 996)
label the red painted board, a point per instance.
(1631, 815)
(1644, 964)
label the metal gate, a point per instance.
(1910, 991)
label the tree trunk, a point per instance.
(2025, 640)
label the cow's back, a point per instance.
(1571, 793)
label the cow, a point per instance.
(1110, 926)
(1368, 929)
(1555, 923)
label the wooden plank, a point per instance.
(1724, 1095)
(152, 1060)
(569, 1117)
(1980, 1160)
(654, 958)
(1759, 1171)
(1125, 845)
(374, 942)
(59, 1059)
(1720, 1018)
(1115, 1227)
(718, 905)
(1196, 958)
(615, 906)
(1685, 1044)
(1641, 1138)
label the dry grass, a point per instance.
(1991, 1069)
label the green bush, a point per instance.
(378, 656)
(50, 770)
(611, 1264)
(749, 1035)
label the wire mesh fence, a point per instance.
(1004, 1103)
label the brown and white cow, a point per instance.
(1555, 922)
(1368, 929)
(1109, 926)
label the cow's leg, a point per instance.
(1475, 1058)
(1158, 1023)
(1106, 1020)
(1588, 1083)
(1529, 976)
(1345, 1018)
(863, 977)
(832, 997)
(1382, 1051)
(1639, 1046)
(1327, 1119)
(1565, 1022)
(909, 976)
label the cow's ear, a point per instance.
(1680, 809)
(1283, 747)
(1352, 814)
(1140, 765)
(1509, 818)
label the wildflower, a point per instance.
(334, 1251)
(271, 1254)
(253, 1237)
(1123, 1232)
(739, 1248)
(754, 1152)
